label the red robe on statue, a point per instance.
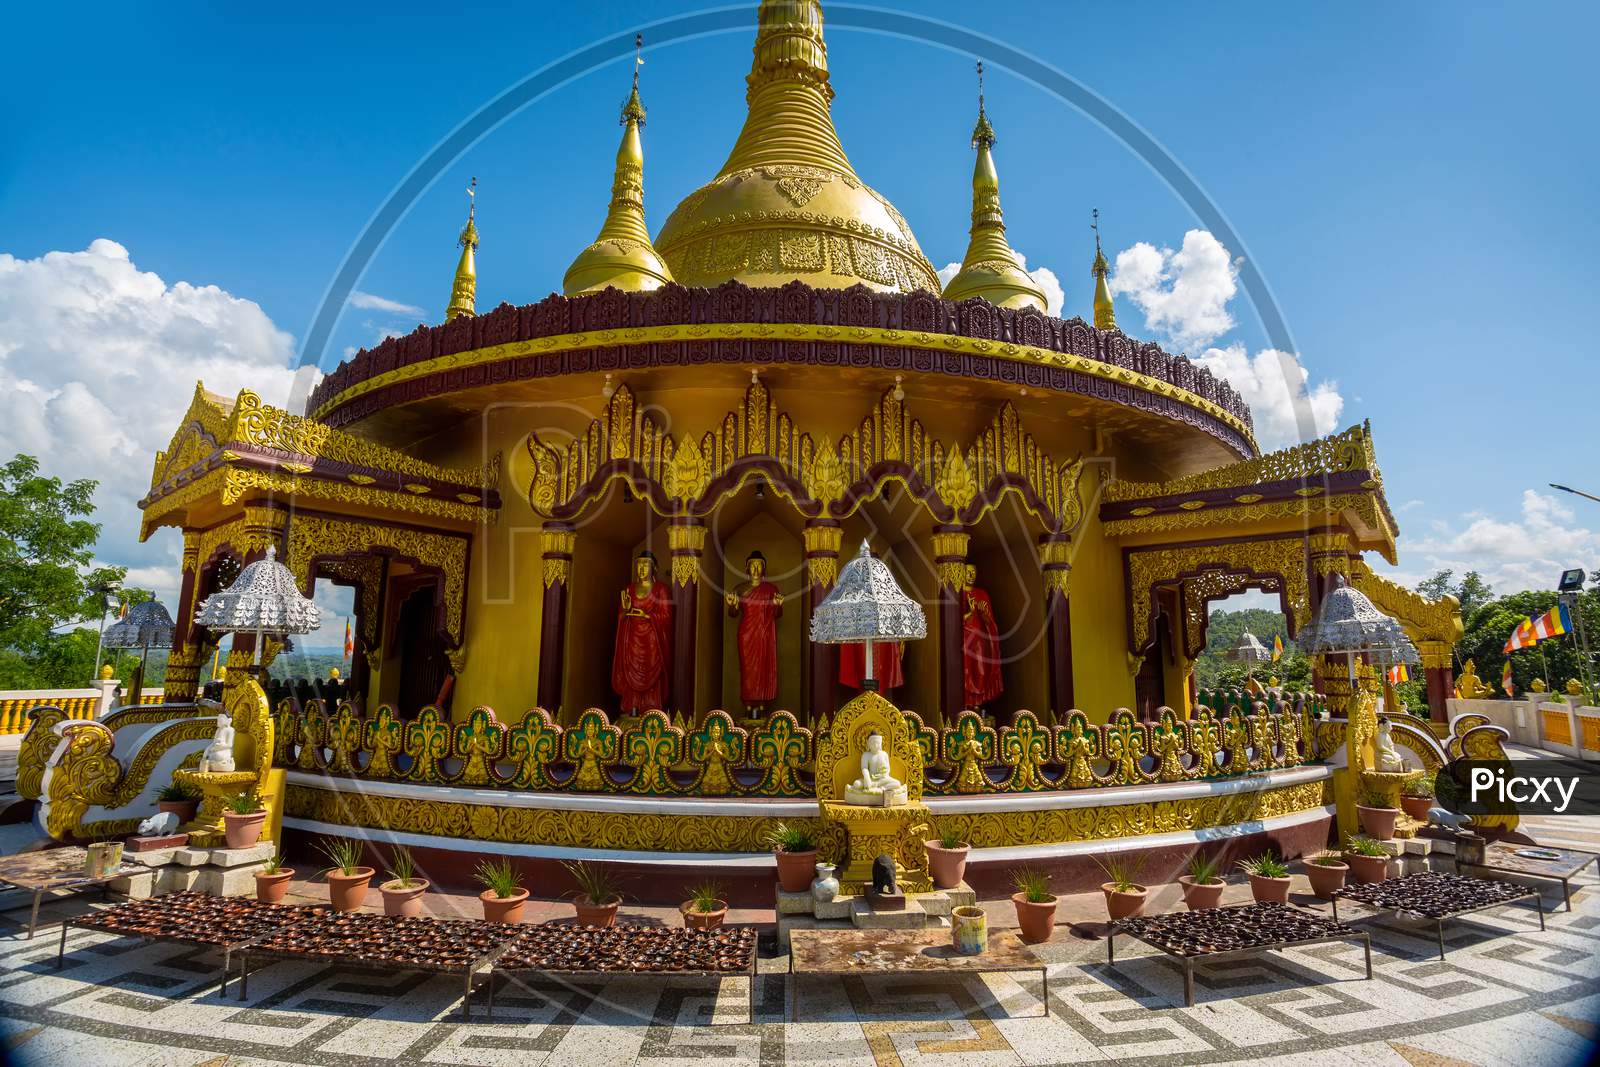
(642, 662)
(758, 612)
(980, 649)
(885, 665)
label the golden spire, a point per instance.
(991, 269)
(787, 204)
(464, 290)
(1105, 313)
(622, 256)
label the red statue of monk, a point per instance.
(757, 604)
(886, 664)
(980, 644)
(642, 662)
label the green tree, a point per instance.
(1472, 591)
(1491, 624)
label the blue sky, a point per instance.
(1416, 183)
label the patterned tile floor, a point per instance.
(1506, 993)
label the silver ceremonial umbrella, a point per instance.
(263, 600)
(147, 626)
(866, 605)
(1349, 624)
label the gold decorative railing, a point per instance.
(650, 755)
(14, 711)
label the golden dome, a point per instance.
(622, 256)
(787, 204)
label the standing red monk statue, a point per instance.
(641, 665)
(757, 604)
(980, 644)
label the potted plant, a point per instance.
(1377, 817)
(1326, 872)
(1416, 795)
(1203, 885)
(1269, 878)
(243, 819)
(503, 895)
(598, 893)
(1124, 895)
(947, 859)
(1035, 904)
(179, 800)
(402, 893)
(1368, 860)
(797, 857)
(347, 879)
(705, 909)
(272, 880)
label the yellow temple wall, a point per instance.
(1101, 681)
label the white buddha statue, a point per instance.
(1386, 756)
(218, 756)
(876, 786)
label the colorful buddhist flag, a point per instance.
(1552, 623)
(349, 643)
(1506, 682)
(1398, 674)
(1277, 648)
(1521, 637)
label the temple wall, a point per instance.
(1100, 676)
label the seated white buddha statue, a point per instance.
(218, 756)
(1387, 758)
(876, 786)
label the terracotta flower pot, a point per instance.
(184, 809)
(270, 888)
(242, 831)
(703, 920)
(1199, 896)
(503, 909)
(796, 869)
(403, 900)
(1267, 890)
(1326, 878)
(347, 892)
(1122, 903)
(1367, 869)
(1036, 920)
(947, 865)
(1378, 823)
(1416, 807)
(590, 914)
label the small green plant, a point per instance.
(950, 837)
(402, 868)
(1204, 869)
(177, 794)
(1420, 784)
(1372, 797)
(786, 838)
(705, 897)
(244, 803)
(1357, 845)
(1034, 885)
(343, 853)
(1327, 859)
(1122, 871)
(595, 882)
(1266, 865)
(499, 877)
(273, 864)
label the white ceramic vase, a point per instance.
(826, 886)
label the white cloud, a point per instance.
(1184, 294)
(1043, 277)
(1273, 383)
(99, 361)
(1526, 552)
(372, 302)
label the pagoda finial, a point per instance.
(1105, 312)
(464, 290)
(991, 269)
(622, 257)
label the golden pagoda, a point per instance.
(464, 288)
(1105, 312)
(990, 269)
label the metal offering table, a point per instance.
(1561, 866)
(1192, 937)
(386, 943)
(563, 951)
(1438, 896)
(54, 870)
(871, 952)
(227, 923)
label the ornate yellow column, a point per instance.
(1438, 667)
(557, 541)
(686, 538)
(823, 538)
(183, 664)
(1327, 555)
(1055, 562)
(950, 562)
